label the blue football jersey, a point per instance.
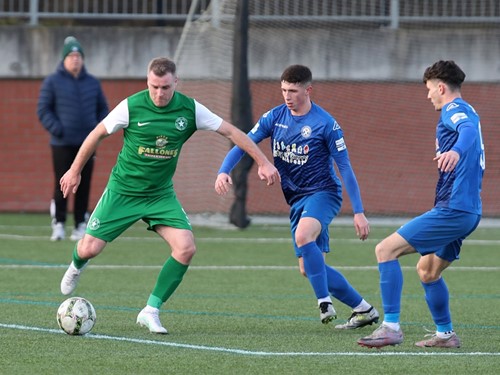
(304, 148)
(461, 188)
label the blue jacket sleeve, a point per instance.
(467, 134)
(350, 181)
(46, 109)
(102, 106)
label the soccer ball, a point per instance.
(76, 316)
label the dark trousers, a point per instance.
(62, 158)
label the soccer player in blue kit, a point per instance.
(305, 141)
(436, 235)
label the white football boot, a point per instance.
(70, 279)
(149, 317)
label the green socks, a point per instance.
(77, 261)
(168, 280)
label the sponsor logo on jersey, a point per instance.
(306, 131)
(340, 144)
(161, 141)
(266, 114)
(278, 125)
(292, 154)
(336, 126)
(451, 106)
(458, 116)
(143, 123)
(158, 152)
(181, 123)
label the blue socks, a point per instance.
(339, 287)
(314, 265)
(437, 297)
(325, 280)
(391, 287)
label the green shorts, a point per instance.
(115, 213)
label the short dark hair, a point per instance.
(161, 66)
(297, 74)
(447, 71)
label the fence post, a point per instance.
(216, 12)
(394, 14)
(33, 12)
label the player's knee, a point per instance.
(385, 252)
(184, 253)
(380, 252)
(301, 240)
(427, 275)
(89, 247)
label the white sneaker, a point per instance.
(70, 279)
(151, 320)
(58, 232)
(78, 232)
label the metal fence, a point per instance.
(389, 12)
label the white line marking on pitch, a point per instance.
(249, 352)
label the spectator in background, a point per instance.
(70, 105)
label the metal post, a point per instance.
(33, 12)
(216, 13)
(394, 14)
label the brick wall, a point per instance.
(389, 129)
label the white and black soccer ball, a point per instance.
(76, 316)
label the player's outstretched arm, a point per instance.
(266, 170)
(71, 179)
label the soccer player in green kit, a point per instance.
(156, 123)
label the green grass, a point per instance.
(242, 308)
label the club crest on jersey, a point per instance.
(306, 131)
(181, 123)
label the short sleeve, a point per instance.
(206, 119)
(118, 118)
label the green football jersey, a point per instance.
(152, 141)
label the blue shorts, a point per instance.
(440, 231)
(322, 206)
